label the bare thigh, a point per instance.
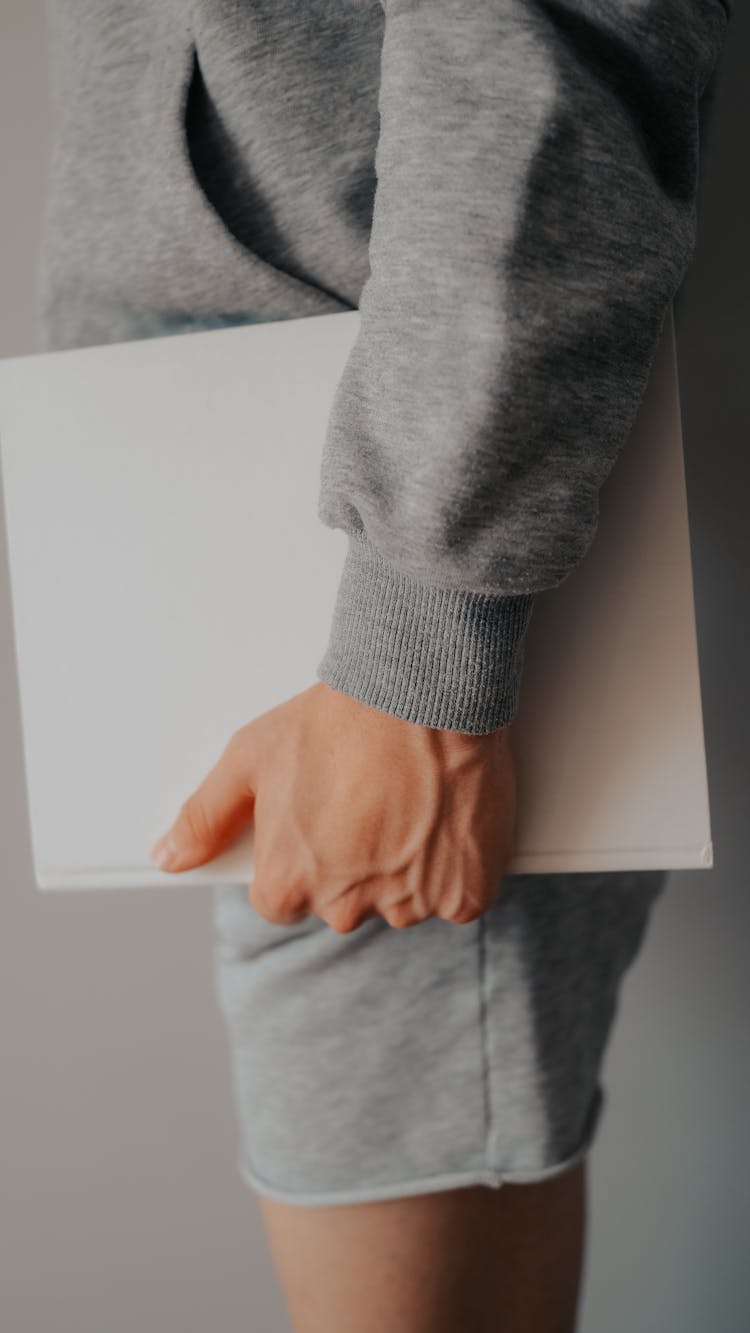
(478, 1260)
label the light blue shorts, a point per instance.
(392, 1062)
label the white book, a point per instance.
(171, 580)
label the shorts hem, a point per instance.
(444, 1180)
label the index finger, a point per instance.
(213, 814)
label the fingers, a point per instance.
(286, 903)
(213, 814)
(282, 907)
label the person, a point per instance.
(507, 193)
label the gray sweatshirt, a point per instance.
(505, 189)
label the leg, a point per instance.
(391, 1057)
(474, 1260)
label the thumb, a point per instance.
(213, 814)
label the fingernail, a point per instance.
(164, 852)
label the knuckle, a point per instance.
(465, 914)
(289, 903)
(345, 918)
(470, 909)
(400, 915)
(276, 902)
(261, 900)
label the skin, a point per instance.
(431, 838)
(472, 1260)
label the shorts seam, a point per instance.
(493, 1177)
(484, 1036)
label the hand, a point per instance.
(357, 814)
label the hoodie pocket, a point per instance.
(299, 296)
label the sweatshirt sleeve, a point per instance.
(534, 214)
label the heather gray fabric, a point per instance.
(386, 1062)
(508, 196)
(506, 191)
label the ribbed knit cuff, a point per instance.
(441, 657)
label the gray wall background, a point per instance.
(120, 1207)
